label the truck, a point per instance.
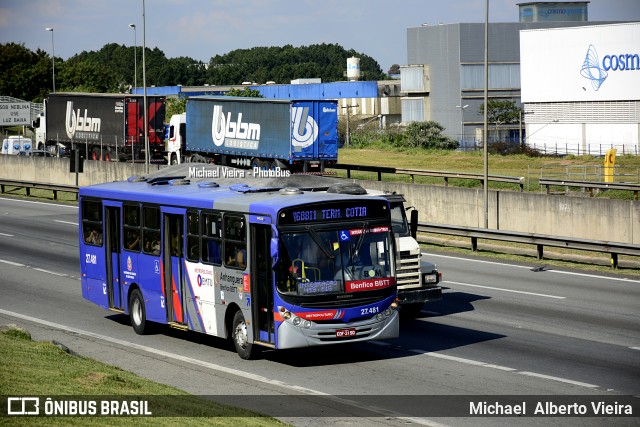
(296, 135)
(102, 126)
(416, 278)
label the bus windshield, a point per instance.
(317, 262)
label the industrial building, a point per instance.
(444, 76)
(581, 93)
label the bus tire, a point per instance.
(137, 312)
(240, 336)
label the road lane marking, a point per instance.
(504, 290)
(6, 235)
(570, 273)
(38, 203)
(15, 264)
(216, 367)
(634, 348)
(65, 222)
(501, 368)
(562, 380)
(42, 270)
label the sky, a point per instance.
(201, 29)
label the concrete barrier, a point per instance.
(581, 217)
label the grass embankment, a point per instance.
(32, 368)
(531, 168)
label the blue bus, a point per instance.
(272, 267)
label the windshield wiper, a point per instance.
(316, 238)
(356, 251)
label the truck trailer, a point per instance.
(102, 126)
(298, 135)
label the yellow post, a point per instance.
(609, 163)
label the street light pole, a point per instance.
(53, 58)
(462, 107)
(144, 84)
(135, 56)
(485, 131)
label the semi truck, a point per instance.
(102, 126)
(297, 135)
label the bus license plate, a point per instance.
(343, 333)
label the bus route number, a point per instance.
(91, 259)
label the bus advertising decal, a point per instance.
(368, 284)
(321, 315)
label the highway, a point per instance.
(501, 329)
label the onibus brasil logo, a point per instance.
(598, 72)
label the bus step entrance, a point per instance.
(180, 326)
(265, 344)
(117, 310)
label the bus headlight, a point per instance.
(307, 324)
(286, 315)
(297, 321)
(379, 316)
(387, 312)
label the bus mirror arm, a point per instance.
(413, 224)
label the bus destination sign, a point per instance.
(365, 210)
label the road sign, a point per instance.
(15, 113)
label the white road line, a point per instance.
(562, 380)
(6, 235)
(570, 273)
(38, 203)
(634, 348)
(42, 270)
(65, 222)
(504, 290)
(501, 368)
(15, 264)
(212, 366)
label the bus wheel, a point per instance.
(137, 312)
(240, 336)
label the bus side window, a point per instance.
(193, 236)
(92, 222)
(235, 242)
(151, 230)
(132, 224)
(211, 238)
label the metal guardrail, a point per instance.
(519, 180)
(540, 240)
(36, 185)
(591, 185)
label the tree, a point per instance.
(175, 106)
(246, 92)
(428, 135)
(395, 69)
(501, 112)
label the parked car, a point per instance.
(40, 153)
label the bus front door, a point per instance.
(261, 284)
(173, 253)
(112, 249)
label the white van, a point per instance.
(17, 145)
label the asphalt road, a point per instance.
(500, 330)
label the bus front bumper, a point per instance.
(290, 336)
